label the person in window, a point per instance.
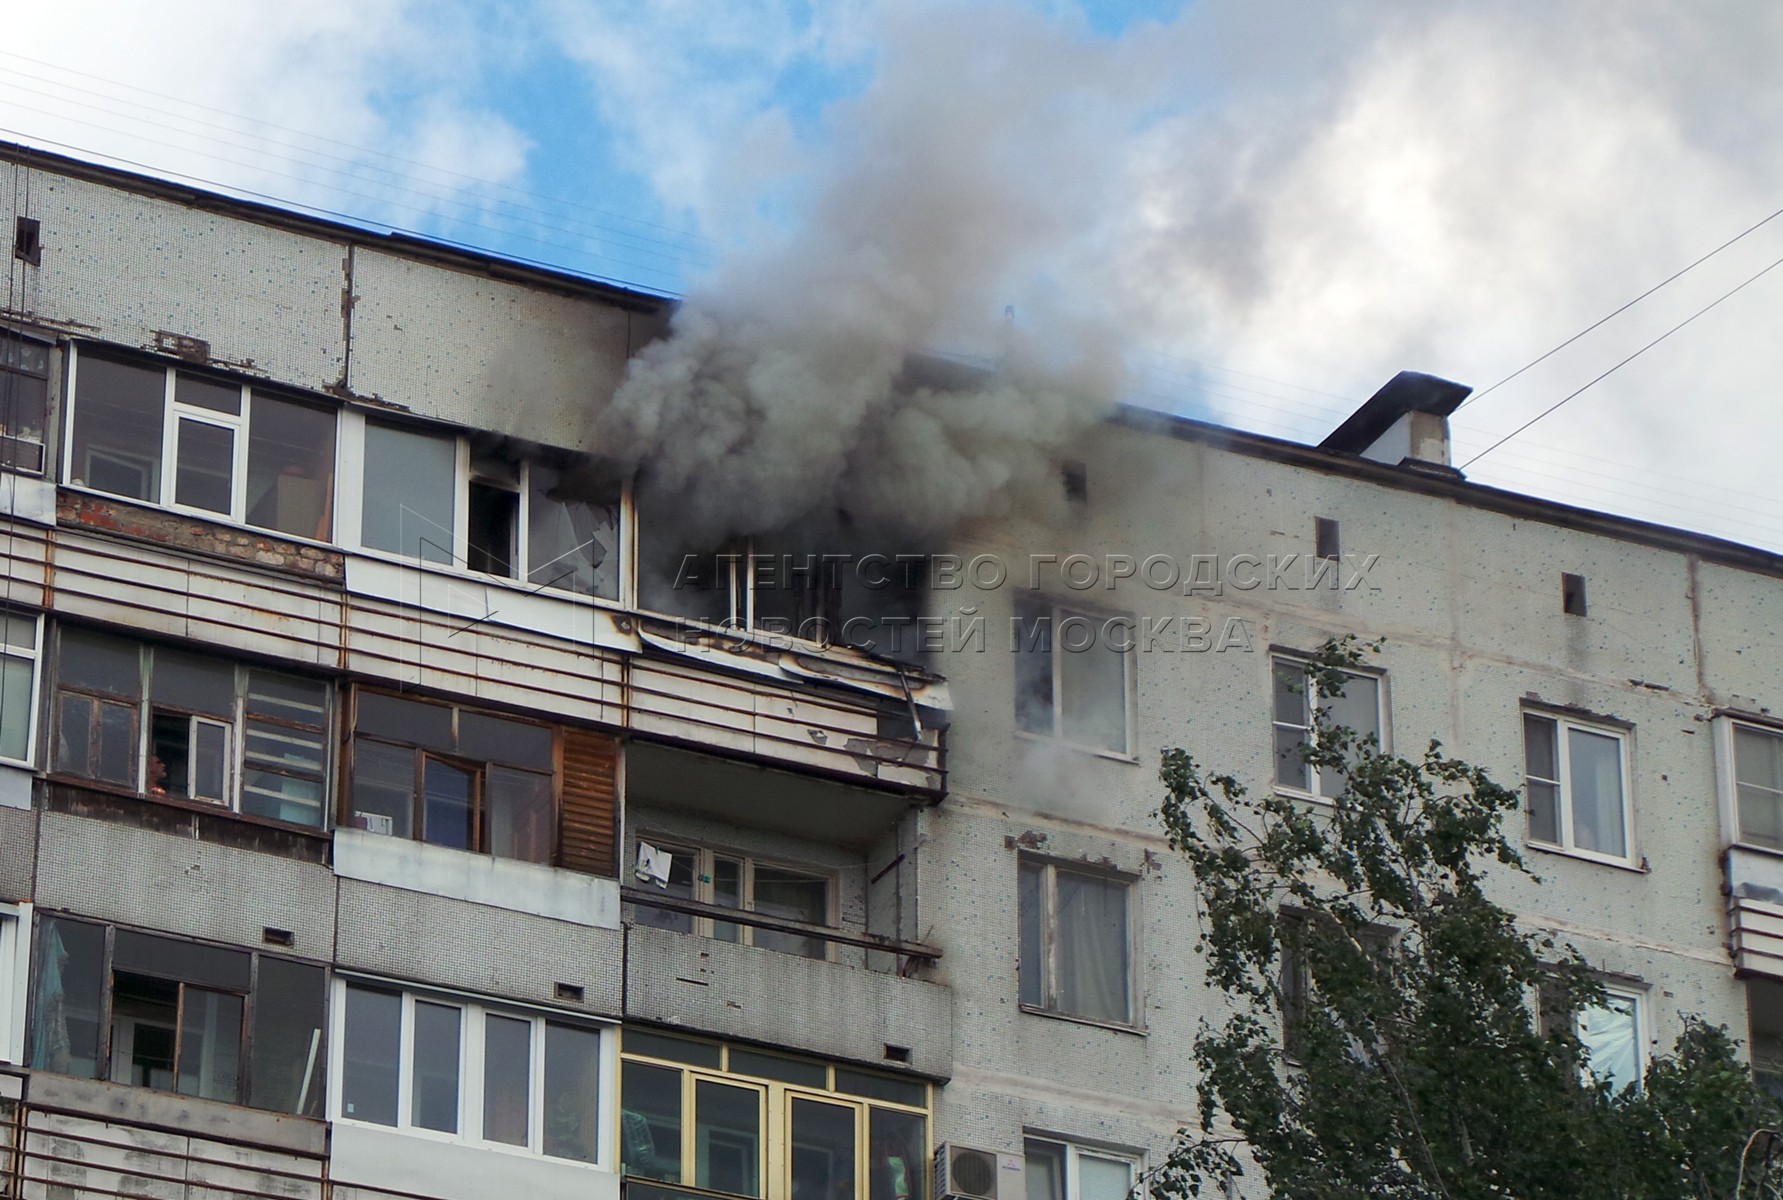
(890, 1177)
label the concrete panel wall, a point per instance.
(18, 852)
(176, 885)
(714, 987)
(122, 267)
(482, 352)
(491, 951)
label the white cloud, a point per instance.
(367, 106)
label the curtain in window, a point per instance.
(1596, 792)
(1092, 946)
(1612, 1042)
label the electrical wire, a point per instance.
(1595, 324)
(1675, 328)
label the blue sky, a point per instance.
(1270, 206)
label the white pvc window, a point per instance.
(1295, 698)
(1615, 1044)
(1076, 953)
(427, 495)
(20, 649)
(1575, 781)
(1072, 672)
(15, 972)
(150, 432)
(1061, 1171)
(1758, 785)
(450, 1068)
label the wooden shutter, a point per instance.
(590, 809)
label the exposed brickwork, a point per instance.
(203, 537)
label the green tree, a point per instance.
(1431, 1046)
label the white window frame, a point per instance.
(1563, 786)
(350, 525)
(705, 888)
(1727, 751)
(1310, 699)
(1637, 1001)
(472, 1013)
(34, 656)
(1049, 942)
(1057, 613)
(1074, 1153)
(172, 413)
(15, 976)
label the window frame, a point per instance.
(773, 1163)
(474, 1012)
(12, 367)
(1056, 612)
(1072, 1154)
(104, 1065)
(1638, 1016)
(1563, 724)
(1728, 727)
(15, 979)
(350, 525)
(479, 769)
(1048, 1005)
(173, 413)
(236, 764)
(705, 887)
(1311, 699)
(33, 656)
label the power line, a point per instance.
(1669, 278)
(1687, 320)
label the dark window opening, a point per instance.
(1325, 543)
(1076, 478)
(172, 1015)
(1572, 594)
(27, 240)
(494, 514)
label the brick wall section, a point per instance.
(199, 536)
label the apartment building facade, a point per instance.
(388, 807)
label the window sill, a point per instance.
(1603, 860)
(1119, 756)
(1073, 1018)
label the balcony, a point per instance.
(814, 1005)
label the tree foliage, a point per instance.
(1434, 1048)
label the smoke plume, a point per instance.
(800, 379)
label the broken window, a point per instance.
(18, 685)
(24, 401)
(1071, 675)
(471, 780)
(1074, 942)
(470, 1071)
(1296, 698)
(172, 1015)
(526, 513)
(1574, 788)
(768, 1124)
(738, 882)
(1758, 784)
(174, 725)
(237, 451)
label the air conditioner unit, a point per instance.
(965, 1173)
